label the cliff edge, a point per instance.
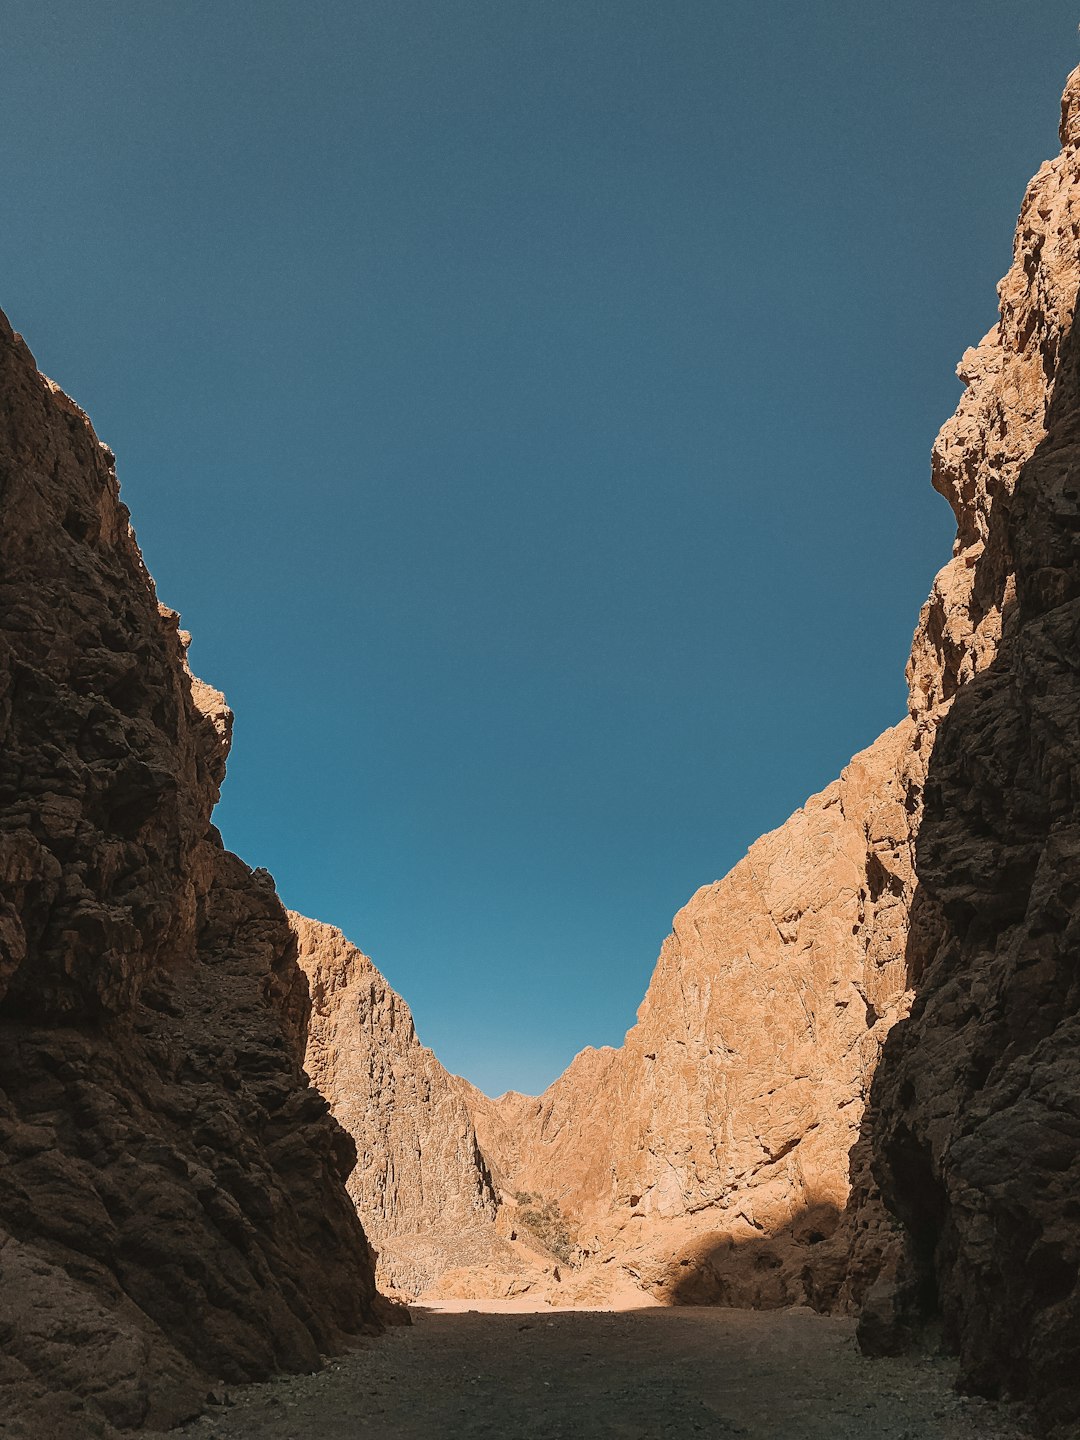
(172, 1201)
(976, 1126)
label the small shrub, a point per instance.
(547, 1223)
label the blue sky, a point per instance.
(528, 407)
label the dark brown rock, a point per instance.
(976, 1105)
(172, 1205)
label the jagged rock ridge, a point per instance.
(172, 1205)
(421, 1183)
(976, 1127)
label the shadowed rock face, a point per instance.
(977, 1128)
(172, 1205)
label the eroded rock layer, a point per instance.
(977, 1102)
(707, 1158)
(172, 1205)
(421, 1183)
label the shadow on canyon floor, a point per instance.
(802, 1263)
(652, 1374)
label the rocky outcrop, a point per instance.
(438, 1220)
(708, 1157)
(723, 1153)
(976, 1126)
(172, 1205)
(420, 1181)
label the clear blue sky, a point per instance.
(528, 407)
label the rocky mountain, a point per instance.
(421, 1182)
(707, 1158)
(172, 1200)
(976, 1127)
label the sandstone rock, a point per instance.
(421, 1183)
(172, 1206)
(707, 1159)
(976, 1127)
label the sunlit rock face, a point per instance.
(421, 1183)
(172, 1200)
(708, 1157)
(977, 1129)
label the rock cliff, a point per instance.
(707, 1158)
(172, 1205)
(421, 1182)
(976, 1124)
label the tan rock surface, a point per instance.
(421, 1183)
(711, 1149)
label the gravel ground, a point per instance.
(635, 1375)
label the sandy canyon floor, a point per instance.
(459, 1373)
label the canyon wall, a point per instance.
(172, 1200)
(707, 1157)
(976, 1113)
(421, 1183)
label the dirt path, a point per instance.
(634, 1375)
